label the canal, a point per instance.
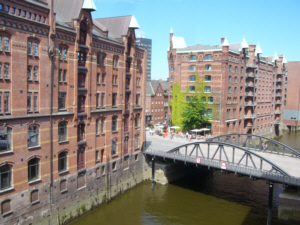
(209, 198)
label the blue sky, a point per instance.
(274, 24)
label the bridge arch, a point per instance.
(228, 157)
(256, 143)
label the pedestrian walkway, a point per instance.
(160, 143)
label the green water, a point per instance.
(209, 198)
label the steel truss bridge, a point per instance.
(243, 154)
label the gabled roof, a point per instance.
(200, 47)
(66, 10)
(152, 86)
(118, 26)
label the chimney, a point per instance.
(222, 40)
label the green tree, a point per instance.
(195, 113)
(191, 109)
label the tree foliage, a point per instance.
(190, 109)
(195, 113)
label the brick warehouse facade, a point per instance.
(292, 108)
(157, 101)
(71, 101)
(248, 89)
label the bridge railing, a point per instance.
(257, 143)
(184, 154)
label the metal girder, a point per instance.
(237, 159)
(255, 143)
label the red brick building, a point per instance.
(71, 104)
(157, 101)
(292, 108)
(247, 87)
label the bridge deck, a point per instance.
(288, 164)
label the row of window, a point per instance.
(207, 68)
(34, 164)
(203, 99)
(207, 57)
(207, 89)
(235, 69)
(33, 132)
(22, 13)
(32, 101)
(228, 113)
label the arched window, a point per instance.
(137, 120)
(5, 207)
(33, 169)
(63, 185)
(5, 139)
(83, 32)
(5, 177)
(136, 141)
(62, 161)
(115, 62)
(114, 147)
(33, 135)
(62, 131)
(114, 123)
(34, 196)
(81, 132)
(80, 159)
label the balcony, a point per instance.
(251, 65)
(277, 112)
(250, 85)
(254, 75)
(278, 95)
(278, 102)
(279, 80)
(249, 125)
(249, 116)
(252, 94)
(279, 87)
(250, 104)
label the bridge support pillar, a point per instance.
(153, 173)
(270, 204)
(289, 204)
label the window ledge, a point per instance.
(6, 152)
(115, 131)
(64, 191)
(62, 110)
(34, 181)
(102, 133)
(34, 147)
(63, 172)
(35, 202)
(7, 189)
(62, 142)
(7, 213)
(81, 171)
(115, 155)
